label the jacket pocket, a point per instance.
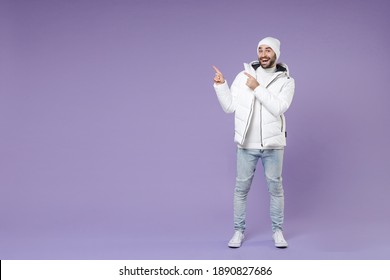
(281, 123)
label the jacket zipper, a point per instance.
(247, 122)
(250, 113)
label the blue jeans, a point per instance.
(272, 161)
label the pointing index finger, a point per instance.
(216, 70)
(248, 75)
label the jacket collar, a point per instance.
(280, 67)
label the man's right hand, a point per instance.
(218, 79)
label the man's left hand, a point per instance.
(252, 83)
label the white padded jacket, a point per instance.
(275, 98)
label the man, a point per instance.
(259, 96)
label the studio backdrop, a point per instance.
(113, 144)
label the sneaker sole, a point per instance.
(234, 245)
(281, 245)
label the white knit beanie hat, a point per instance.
(273, 43)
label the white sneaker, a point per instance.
(280, 242)
(236, 240)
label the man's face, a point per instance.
(267, 56)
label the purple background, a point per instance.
(113, 144)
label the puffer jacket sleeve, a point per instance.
(227, 96)
(276, 104)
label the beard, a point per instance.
(269, 63)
